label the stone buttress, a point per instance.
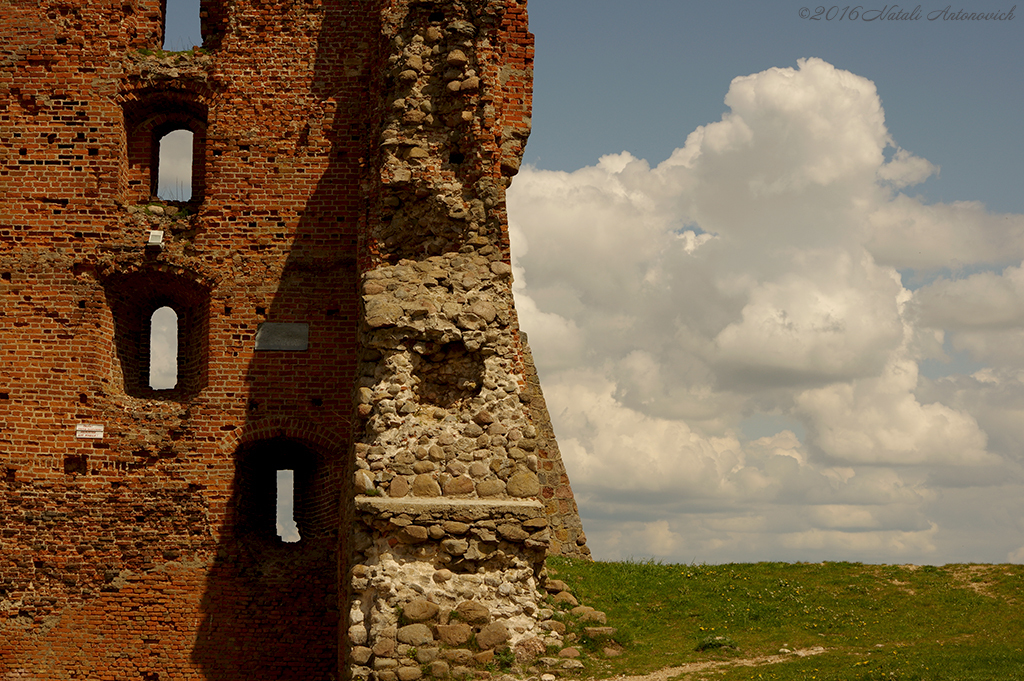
(459, 490)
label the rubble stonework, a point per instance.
(348, 204)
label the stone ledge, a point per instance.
(473, 508)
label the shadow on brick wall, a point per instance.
(270, 609)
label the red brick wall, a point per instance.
(151, 553)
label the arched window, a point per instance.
(181, 25)
(174, 169)
(165, 133)
(287, 529)
(163, 349)
(161, 333)
(282, 498)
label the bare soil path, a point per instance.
(672, 672)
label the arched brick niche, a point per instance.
(133, 298)
(315, 497)
(274, 605)
(149, 116)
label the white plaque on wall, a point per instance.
(89, 431)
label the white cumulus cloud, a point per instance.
(761, 271)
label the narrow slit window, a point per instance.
(174, 171)
(181, 26)
(163, 349)
(287, 529)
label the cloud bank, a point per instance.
(732, 343)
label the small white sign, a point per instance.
(156, 237)
(89, 431)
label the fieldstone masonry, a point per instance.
(342, 286)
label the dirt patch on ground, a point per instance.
(903, 586)
(977, 578)
(694, 667)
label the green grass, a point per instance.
(951, 623)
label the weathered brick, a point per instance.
(151, 551)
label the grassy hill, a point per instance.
(837, 620)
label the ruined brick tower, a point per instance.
(341, 282)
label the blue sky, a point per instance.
(772, 271)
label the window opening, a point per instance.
(287, 529)
(181, 25)
(161, 332)
(163, 349)
(174, 171)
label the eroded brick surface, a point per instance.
(351, 159)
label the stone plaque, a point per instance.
(293, 337)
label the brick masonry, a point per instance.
(351, 159)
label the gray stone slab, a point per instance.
(293, 337)
(439, 506)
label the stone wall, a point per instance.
(350, 163)
(457, 579)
